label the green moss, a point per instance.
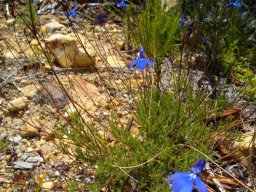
(3, 145)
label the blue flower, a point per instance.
(122, 4)
(236, 4)
(183, 21)
(185, 181)
(73, 12)
(205, 42)
(101, 18)
(141, 63)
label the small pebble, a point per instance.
(16, 139)
(35, 159)
(30, 149)
(57, 173)
(23, 165)
(47, 185)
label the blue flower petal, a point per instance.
(200, 185)
(141, 64)
(183, 21)
(178, 176)
(205, 42)
(77, 7)
(133, 63)
(142, 52)
(188, 187)
(198, 167)
(122, 4)
(182, 180)
(73, 11)
(185, 181)
(236, 4)
(149, 62)
(74, 14)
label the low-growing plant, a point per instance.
(244, 73)
(3, 144)
(156, 28)
(161, 133)
(32, 60)
(217, 29)
(28, 17)
(153, 147)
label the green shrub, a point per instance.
(244, 72)
(167, 126)
(156, 28)
(3, 144)
(159, 147)
(225, 28)
(29, 17)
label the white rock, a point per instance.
(30, 149)
(9, 55)
(52, 27)
(48, 185)
(15, 139)
(57, 173)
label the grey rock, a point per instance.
(231, 97)
(24, 156)
(15, 139)
(23, 165)
(3, 135)
(46, 9)
(231, 93)
(55, 95)
(35, 159)
(88, 180)
(250, 113)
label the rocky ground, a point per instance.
(33, 104)
(30, 95)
